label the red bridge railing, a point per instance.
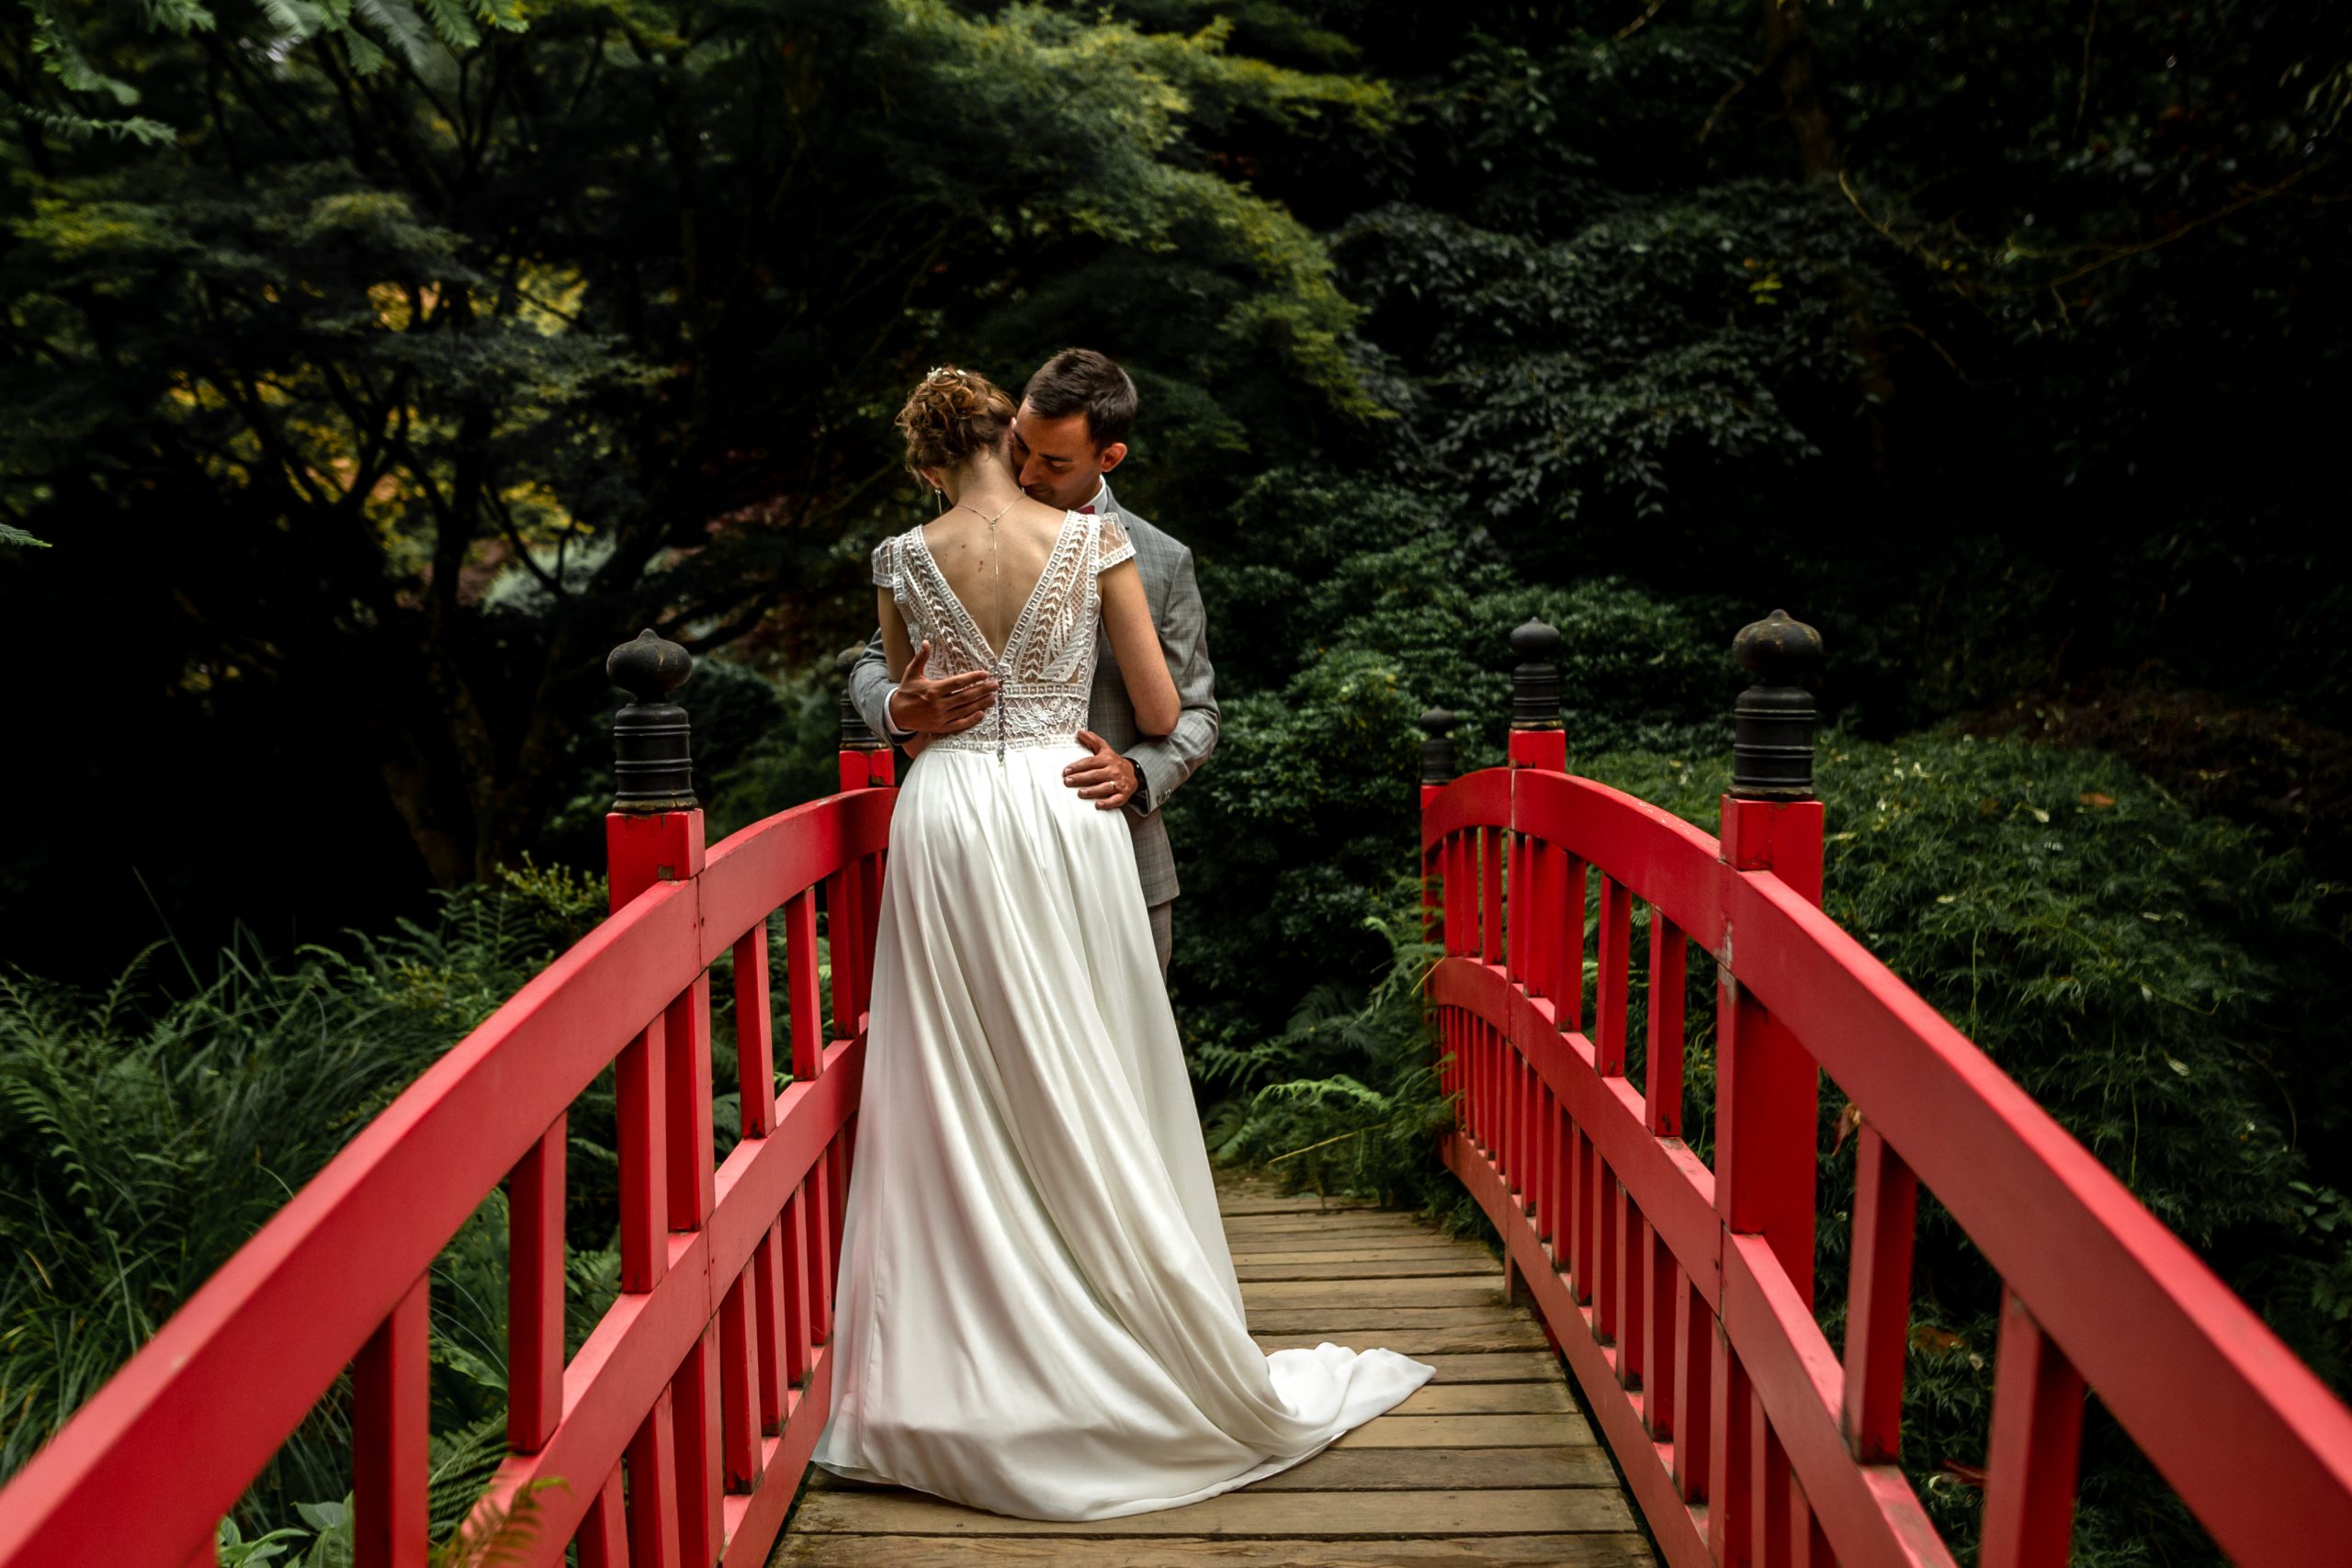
(679, 1431)
(1682, 1295)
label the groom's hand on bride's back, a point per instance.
(941, 707)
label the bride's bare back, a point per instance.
(994, 577)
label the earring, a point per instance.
(939, 500)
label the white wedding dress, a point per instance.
(1037, 1313)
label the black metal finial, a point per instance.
(1437, 747)
(856, 734)
(652, 755)
(1772, 747)
(1535, 684)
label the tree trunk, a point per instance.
(1788, 56)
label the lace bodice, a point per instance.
(1046, 667)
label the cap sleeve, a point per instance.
(885, 564)
(1111, 544)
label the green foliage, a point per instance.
(1294, 834)
(146, 1132)
(454, 382)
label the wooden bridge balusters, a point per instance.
(535, 1254)
(2035, 1449)
(1664, 1039)
(602, 1537)
(1878, 1300)
(391, 1434)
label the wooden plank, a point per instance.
(1232, 1208)
(1417, 1469)
(1487, 1399)
(1295, 1294)
(1370, 1221)
(1331, 1514)
(1290, 1318)
(1609, 1549)
(1501, 1366)
(1377, 1269)
(1442, 1339)
(1469, 1432)
(1418, 1343)
(1267, 1249)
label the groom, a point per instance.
(1070, 432)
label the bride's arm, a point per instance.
(1127, 616)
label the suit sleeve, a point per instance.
(869, 686)
(1168, 761)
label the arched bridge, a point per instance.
(1678, 1292)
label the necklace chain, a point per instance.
(996, 564)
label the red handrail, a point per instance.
(706, 1379)
(1682, 1295)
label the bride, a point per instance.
(1037, 1311)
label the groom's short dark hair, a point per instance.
(1078, 380)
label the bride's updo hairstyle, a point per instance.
(950, 415)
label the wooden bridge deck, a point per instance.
(1489, 1462)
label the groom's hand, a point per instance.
(941, 707)
(1107, 778)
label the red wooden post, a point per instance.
(1768, 1088)
(1770, 1529)
(768, 1320)
(1878, 1307)
(817, 1220)
(391, 1433)
(1633, 1255)
(602, 1536)
(1730, 1455)
(845, 932)
(637, 1091)
(1490, 893)
(535, 1293)
(654, 1489)
(1694, 1344)
(1662, 1074)
(739, 1392)
(1662, 1288)
(695, 1398)
(1606, 1211)
(2034, 1450)
(1610, 1001)
(754, 1034)
(801, 982)
(799, 1324)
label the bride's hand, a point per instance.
(942, 707)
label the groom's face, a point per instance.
(1057, 458)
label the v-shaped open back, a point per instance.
(971, 622)
(1046, 668)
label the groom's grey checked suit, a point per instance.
(1162, 761)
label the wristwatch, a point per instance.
(1141, 800)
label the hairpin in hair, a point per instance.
(938, 371)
